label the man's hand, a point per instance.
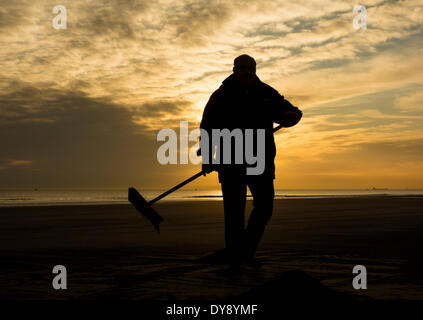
(208, 168)
(291, 118)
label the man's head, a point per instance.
(245, 69)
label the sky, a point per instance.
(81, 107)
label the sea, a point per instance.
(49, 197)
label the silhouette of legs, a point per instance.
(242, 244)
(263, 193)
(234, 193)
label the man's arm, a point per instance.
(207, 123)
(283, 112)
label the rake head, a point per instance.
(144, 208)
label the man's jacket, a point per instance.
(235, 106)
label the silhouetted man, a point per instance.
(244, 102)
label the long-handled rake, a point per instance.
(146, 209)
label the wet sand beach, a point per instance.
(112, 252)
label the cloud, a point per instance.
(83, 141)
(411, 102)
(196, 21)
(139, 50)
(130, 68)
(157, 115)
(360, 166)
(5, 164)
(13, 14)
(112, 21)
(161, 108)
